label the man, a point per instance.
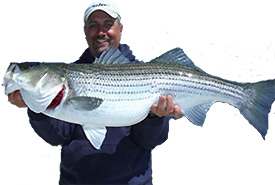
(125, 156)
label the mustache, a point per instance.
(102, 37)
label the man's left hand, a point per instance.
(166, 107)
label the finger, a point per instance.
(177, 111)
(161, 106)
(19, 100)
(154, 108)
(11, 97)
(169, 105)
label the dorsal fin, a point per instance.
(112, 56)
(176, 56)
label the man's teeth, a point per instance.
(101, 41)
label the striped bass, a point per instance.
(114, 92)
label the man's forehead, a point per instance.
(100, 15)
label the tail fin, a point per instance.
(256, 111)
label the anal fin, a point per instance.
(197, 114)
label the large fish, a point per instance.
(115, 92)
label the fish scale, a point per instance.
(116, 93)
(150, 81)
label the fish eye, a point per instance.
(27, 65)
(32, 64)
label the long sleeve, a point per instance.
(53, 131)
(124, 157)
(151, 132)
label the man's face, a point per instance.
(102, 32)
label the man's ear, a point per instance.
(121, 28)
(85, 29)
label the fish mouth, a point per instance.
(57, 100)
(8, 81)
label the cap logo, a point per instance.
(106, 6)
(100, 4)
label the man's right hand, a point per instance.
(16, 99)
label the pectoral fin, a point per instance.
(85, 103)
(95, 135)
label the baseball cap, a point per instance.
(107, 6)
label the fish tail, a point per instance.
(256, 109)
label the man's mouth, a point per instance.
(101, 41)
(99, 45)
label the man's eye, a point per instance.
(93, 25)
(109, 24)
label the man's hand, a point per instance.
(166, 107)
(16, 99)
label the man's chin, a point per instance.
(98, 51)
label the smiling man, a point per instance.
(102, 31)
(125, 155)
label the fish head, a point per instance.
(39, 83)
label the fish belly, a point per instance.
(115, 110)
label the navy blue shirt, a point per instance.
(124, 157)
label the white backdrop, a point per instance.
(231, 39)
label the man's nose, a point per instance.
(101, 30)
